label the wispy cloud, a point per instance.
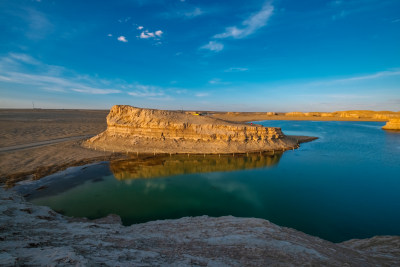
(217, 81)
(96, 91)
(122, 39)
(372, 76)
(38, 25)
(202, 94)
(185, 11)
(146, 91)
(236, 70)
(250, 25)
(48, 77)
(193, 13)
(213, 46)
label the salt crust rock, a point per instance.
(37, 236)
(160, 131)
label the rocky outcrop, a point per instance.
(37, 236)
(131, 129)
(392, 124)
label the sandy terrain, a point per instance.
(24, 127)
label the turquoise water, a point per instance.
(344, 185)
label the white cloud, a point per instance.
(213, 46)
(236, 69)
(122, 39)
(109, 35)
(158, 33)
(140, 28)
(250, 25)
(147, 35)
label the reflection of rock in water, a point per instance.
(180, 164)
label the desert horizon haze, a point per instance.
(281, 55)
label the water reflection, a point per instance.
(164, 166)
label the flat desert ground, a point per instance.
(23, 133)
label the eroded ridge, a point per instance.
(131, 129)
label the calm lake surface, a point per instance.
(344, 185)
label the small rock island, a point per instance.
(131, 129)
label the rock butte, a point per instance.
(37, 236)
(392, 124)
(131, 129)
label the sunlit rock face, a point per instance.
(392, 124)
(160, 131)
(163, 166)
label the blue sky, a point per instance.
(280, 55)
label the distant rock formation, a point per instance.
(160, 131)
(295, 114)
(392, 124)
(349, 114)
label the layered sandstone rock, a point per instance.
(131, 129)
(392, 124)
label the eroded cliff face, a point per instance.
(392, 124)
(131, 129)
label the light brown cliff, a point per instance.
(131, 129)
(392, 124)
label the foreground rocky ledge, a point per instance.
(131, 129)
(34, 235)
